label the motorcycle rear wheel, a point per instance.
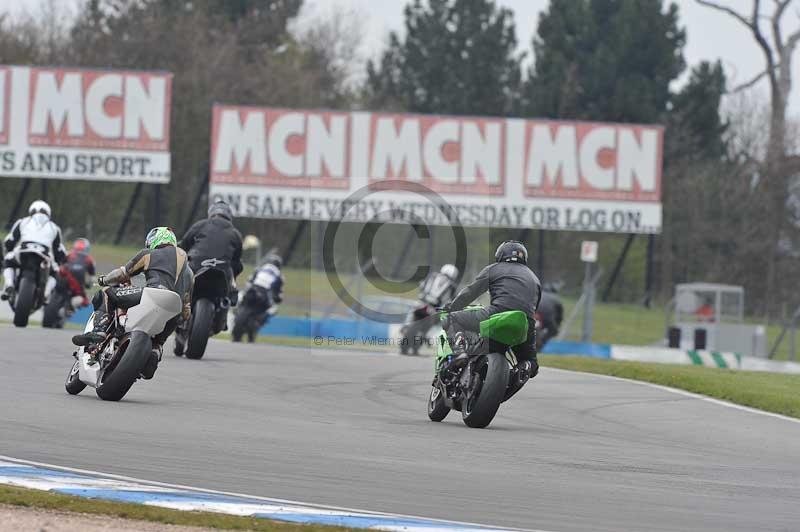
(480, 407)
(117, 380)
(200, 328)
(24, 301)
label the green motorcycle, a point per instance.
(488, 377)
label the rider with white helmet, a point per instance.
(440, 287)
(39, 228)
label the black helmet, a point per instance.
(221, 209)
(511, 251)
(274, 259)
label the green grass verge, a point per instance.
(773, 392)
(68, 503)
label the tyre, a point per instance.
(132, 355)
(240, 325)
(199, 328)
(52, 312)
(487, 392)
(437, 409)
(73, 384)
(24, 301)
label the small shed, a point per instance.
(711, 316)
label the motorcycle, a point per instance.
(489, 376)
(210, 304)
(254, 311)
(65, 299)
(126, 354)
(34, 269)
(414, 331)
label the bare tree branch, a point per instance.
(725, 9)
(747, 84)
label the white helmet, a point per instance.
(450, 271)
(39, 207)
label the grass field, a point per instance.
(68, 503)
(772, 392)
(309, 293)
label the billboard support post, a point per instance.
(618, 267)
(401, 259)
(43, 193)
(18, 203)
(540, 254)
(196, 203)
(156, 205)
(127, 216)
(298, 233)
(648, 276)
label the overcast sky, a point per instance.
(711, 35)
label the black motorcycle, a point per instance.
(34, 269)
(210, 304)
(415, 329)
(252, 313)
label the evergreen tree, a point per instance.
(458, 57)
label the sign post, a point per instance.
(589, 257)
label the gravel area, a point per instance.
(22, 519)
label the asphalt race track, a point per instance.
(571, 453)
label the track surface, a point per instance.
(572, 452)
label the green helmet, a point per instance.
(159, 236)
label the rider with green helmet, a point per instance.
(164, 267)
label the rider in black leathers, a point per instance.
(213, 238)
(512, 286)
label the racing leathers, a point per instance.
(511, 286)
(437, 289)
(78, 274)
(265, 288)
(165, 268)
(214, 238)
(36, 229)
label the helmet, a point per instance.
(81, 245)
(274, 259)
(160, 236)
(511, 251)
(450, 271)
(221, 209)
(39, 207)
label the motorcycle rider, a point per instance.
(213, 238)
(39, 228)
(512, 286)
(440, 287)
(79, 271)
(266, 284)
(164, 266)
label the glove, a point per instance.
(101, 281)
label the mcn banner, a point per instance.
(301, 164)
(66, 123)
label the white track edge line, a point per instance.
(254, 497)
(678, 391)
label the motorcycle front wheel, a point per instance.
(51, 318)
(437, 409)
(73, 384)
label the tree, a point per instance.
(777, 168)
(458, 57)
(605, 60)
(695, 112)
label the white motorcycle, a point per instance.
(112, 366)
(31, 279)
